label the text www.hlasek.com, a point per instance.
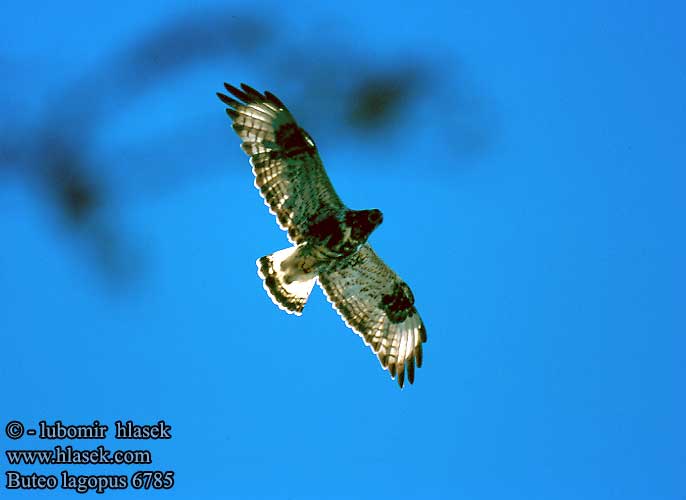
(68, 455)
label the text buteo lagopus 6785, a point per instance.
(329, 240)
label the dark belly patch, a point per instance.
(327, 229)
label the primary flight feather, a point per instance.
(329, 239)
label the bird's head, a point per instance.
(363, 222)
(374, 217)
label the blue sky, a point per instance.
(547, 263)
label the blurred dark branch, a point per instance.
(148, 63)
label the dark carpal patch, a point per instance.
(294, 140)
(398, 304)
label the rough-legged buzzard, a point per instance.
(329, 240)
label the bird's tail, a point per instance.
(287, 286)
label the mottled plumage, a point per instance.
(330, 240)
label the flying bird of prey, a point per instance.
(329, 239)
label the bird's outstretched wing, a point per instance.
(288, 170)
(378, 306)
